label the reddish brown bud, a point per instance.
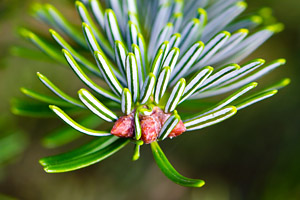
(178, 130)
(150, 126)
(160, 115)
(124, 127)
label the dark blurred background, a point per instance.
(254, 155)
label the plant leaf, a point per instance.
(161, 19)
(96, 106)
(251, 43)
(65, 25)
(175, 40)
(136, 51)
(259, 72)
(44, 46)
(108, 73)
(94, 46)
(236, 38)
(132, 76)
(45, 98)
(61, 114)
(159, 57)
(217, 77)
(90, 38)
(132, 31)
(162, 84)
(210, 119)
(195, 82)
(168, 126)
(244, 70)
(33, 54)
(255, 98)
(30, 109)
(171, 59)
(164, 35)
(175, 96)
(118, 8)
(136, 154)
(144, 54)
(278, 85)
(138, 129)
(189, 33)
(187, 61)
(211, 48)
(120, 56)
(39, 11)
(127, 103)
(67, 134)
(85, 79)
(58, 92)
(88, 159)
(148, 87)
(86, 63)
(169, 170)
(249, 22)
(85, 17)
(229, 99)
(98, 12)
(177, 20)
(223, 19)
(86, 149)
(111, 27)
(133, 11)
(200, 13)
(235, 96)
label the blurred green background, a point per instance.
(254, 155)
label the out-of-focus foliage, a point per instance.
(13, 143)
